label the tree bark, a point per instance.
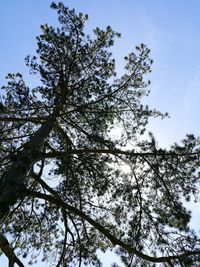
(9, 252)
(12, 181)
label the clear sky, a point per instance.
(170, 28)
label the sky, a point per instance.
(170, 28)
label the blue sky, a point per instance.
(170, 28)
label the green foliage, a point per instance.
(77, 196)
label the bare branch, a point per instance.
(9, 252)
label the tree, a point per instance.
(63, 190)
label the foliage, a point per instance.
(62, 170)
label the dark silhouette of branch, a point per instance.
(9, 252)
(114, 240)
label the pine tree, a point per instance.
(64, 190)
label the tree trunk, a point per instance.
(12, 181)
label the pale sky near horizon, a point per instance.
(170, 28)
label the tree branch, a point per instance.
(106, 233)
(115, 152)
(9, 252)
(27, 119)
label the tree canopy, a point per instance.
(64, 190)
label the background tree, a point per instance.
(63, 191)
